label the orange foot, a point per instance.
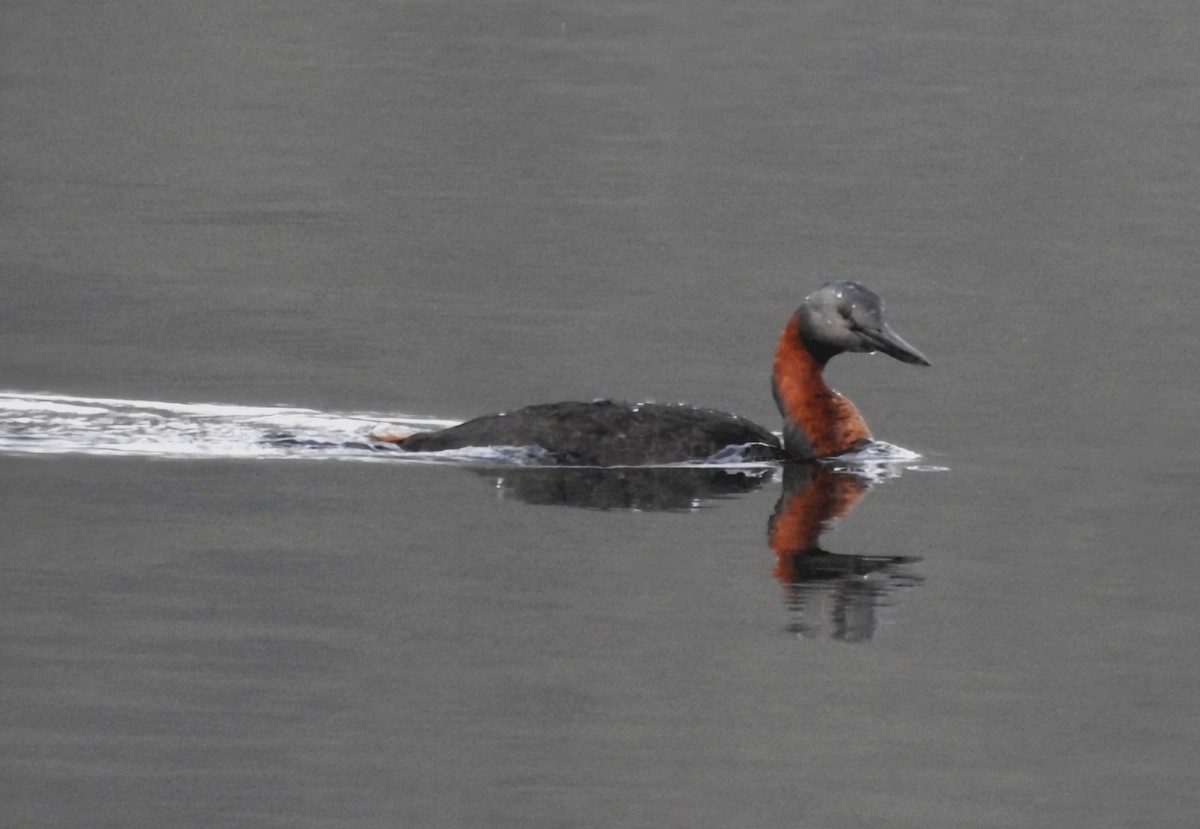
(385, 436)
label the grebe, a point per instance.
(817, 421)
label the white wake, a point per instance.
(60, 424)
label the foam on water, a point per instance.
(60, 424)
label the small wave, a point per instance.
(877, 451)
(877, 461)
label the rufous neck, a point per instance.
(817, 421)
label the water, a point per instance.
(233, 219)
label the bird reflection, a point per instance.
(829, 594)
(649, 489)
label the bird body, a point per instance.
(817, 421)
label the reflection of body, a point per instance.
(846, 588)
(646, 489)
(817, 421)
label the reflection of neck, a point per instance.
(812, 497)
(817, 421)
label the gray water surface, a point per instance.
(437, 210)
